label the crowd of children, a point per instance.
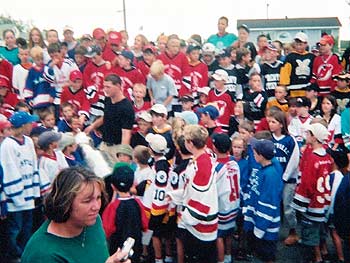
(209, 145)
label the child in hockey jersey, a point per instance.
(312, 194)
(341, 163)
(256, 99)
(198, 72)
(8, 98)
(197, 227)
(239, 148)
(68, 146)
(22, 182)
(312, 95)
(128, 73)
(159, 220)
(5, 131)
(279, 100)
(342, 90)
(75, 94)
(238, 117)
(139, 92)
(297, 125)
(325, 66)
(225, 63)
(67, 110)
(124, 217)
(287, 153)
(38, 92)
(262, 206)
(144, 124)
(47, 119)
(52, 161)
(20, 71)
(328, 113)
(177, 181)
(227, 181)
(223, 98)
(160, 126)
(270, 70)
(144, 175)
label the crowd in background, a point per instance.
(210, 143)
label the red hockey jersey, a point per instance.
(313, 194)
(77, 98)
(323, 70)
(225, 104)
(129, 78)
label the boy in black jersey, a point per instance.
(125, 216)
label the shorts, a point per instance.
(311, 232)
(163, 231)
(196, 250)
(265, 250)
(226, 232)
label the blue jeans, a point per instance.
(19, 230)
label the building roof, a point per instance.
(303, 23)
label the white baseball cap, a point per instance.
(159, 108)
(204, 90)
(220, 74)
(319, 131)
(301, 36)
(208, 48)
(144, 115)
(157, 143)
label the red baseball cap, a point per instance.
(5, 124)
(98, 33)
(114, 38)
(152, 48)
(327, 39)
(4, 83)
(75, 74)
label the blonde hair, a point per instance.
(36, 52)
(177, 126)
(157, 68)
(144, 40)
(141, 86)
(197, 134)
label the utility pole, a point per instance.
(267, 10)
(124, 14)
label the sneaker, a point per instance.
(292, 239)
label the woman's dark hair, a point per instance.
(280, 117)
(65, 187)
(334, 104)
(6, 31)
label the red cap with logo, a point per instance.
(327, 39)
(114, 38)
(75, 74)
(98, 33)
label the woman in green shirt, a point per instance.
(74, 230)
(10, 50)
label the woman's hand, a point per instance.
(117, 257)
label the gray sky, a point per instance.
(151, 17)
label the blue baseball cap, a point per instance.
(188, 116)
(21, 118)
(127, 54)
(264, 147)
(211, 110)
